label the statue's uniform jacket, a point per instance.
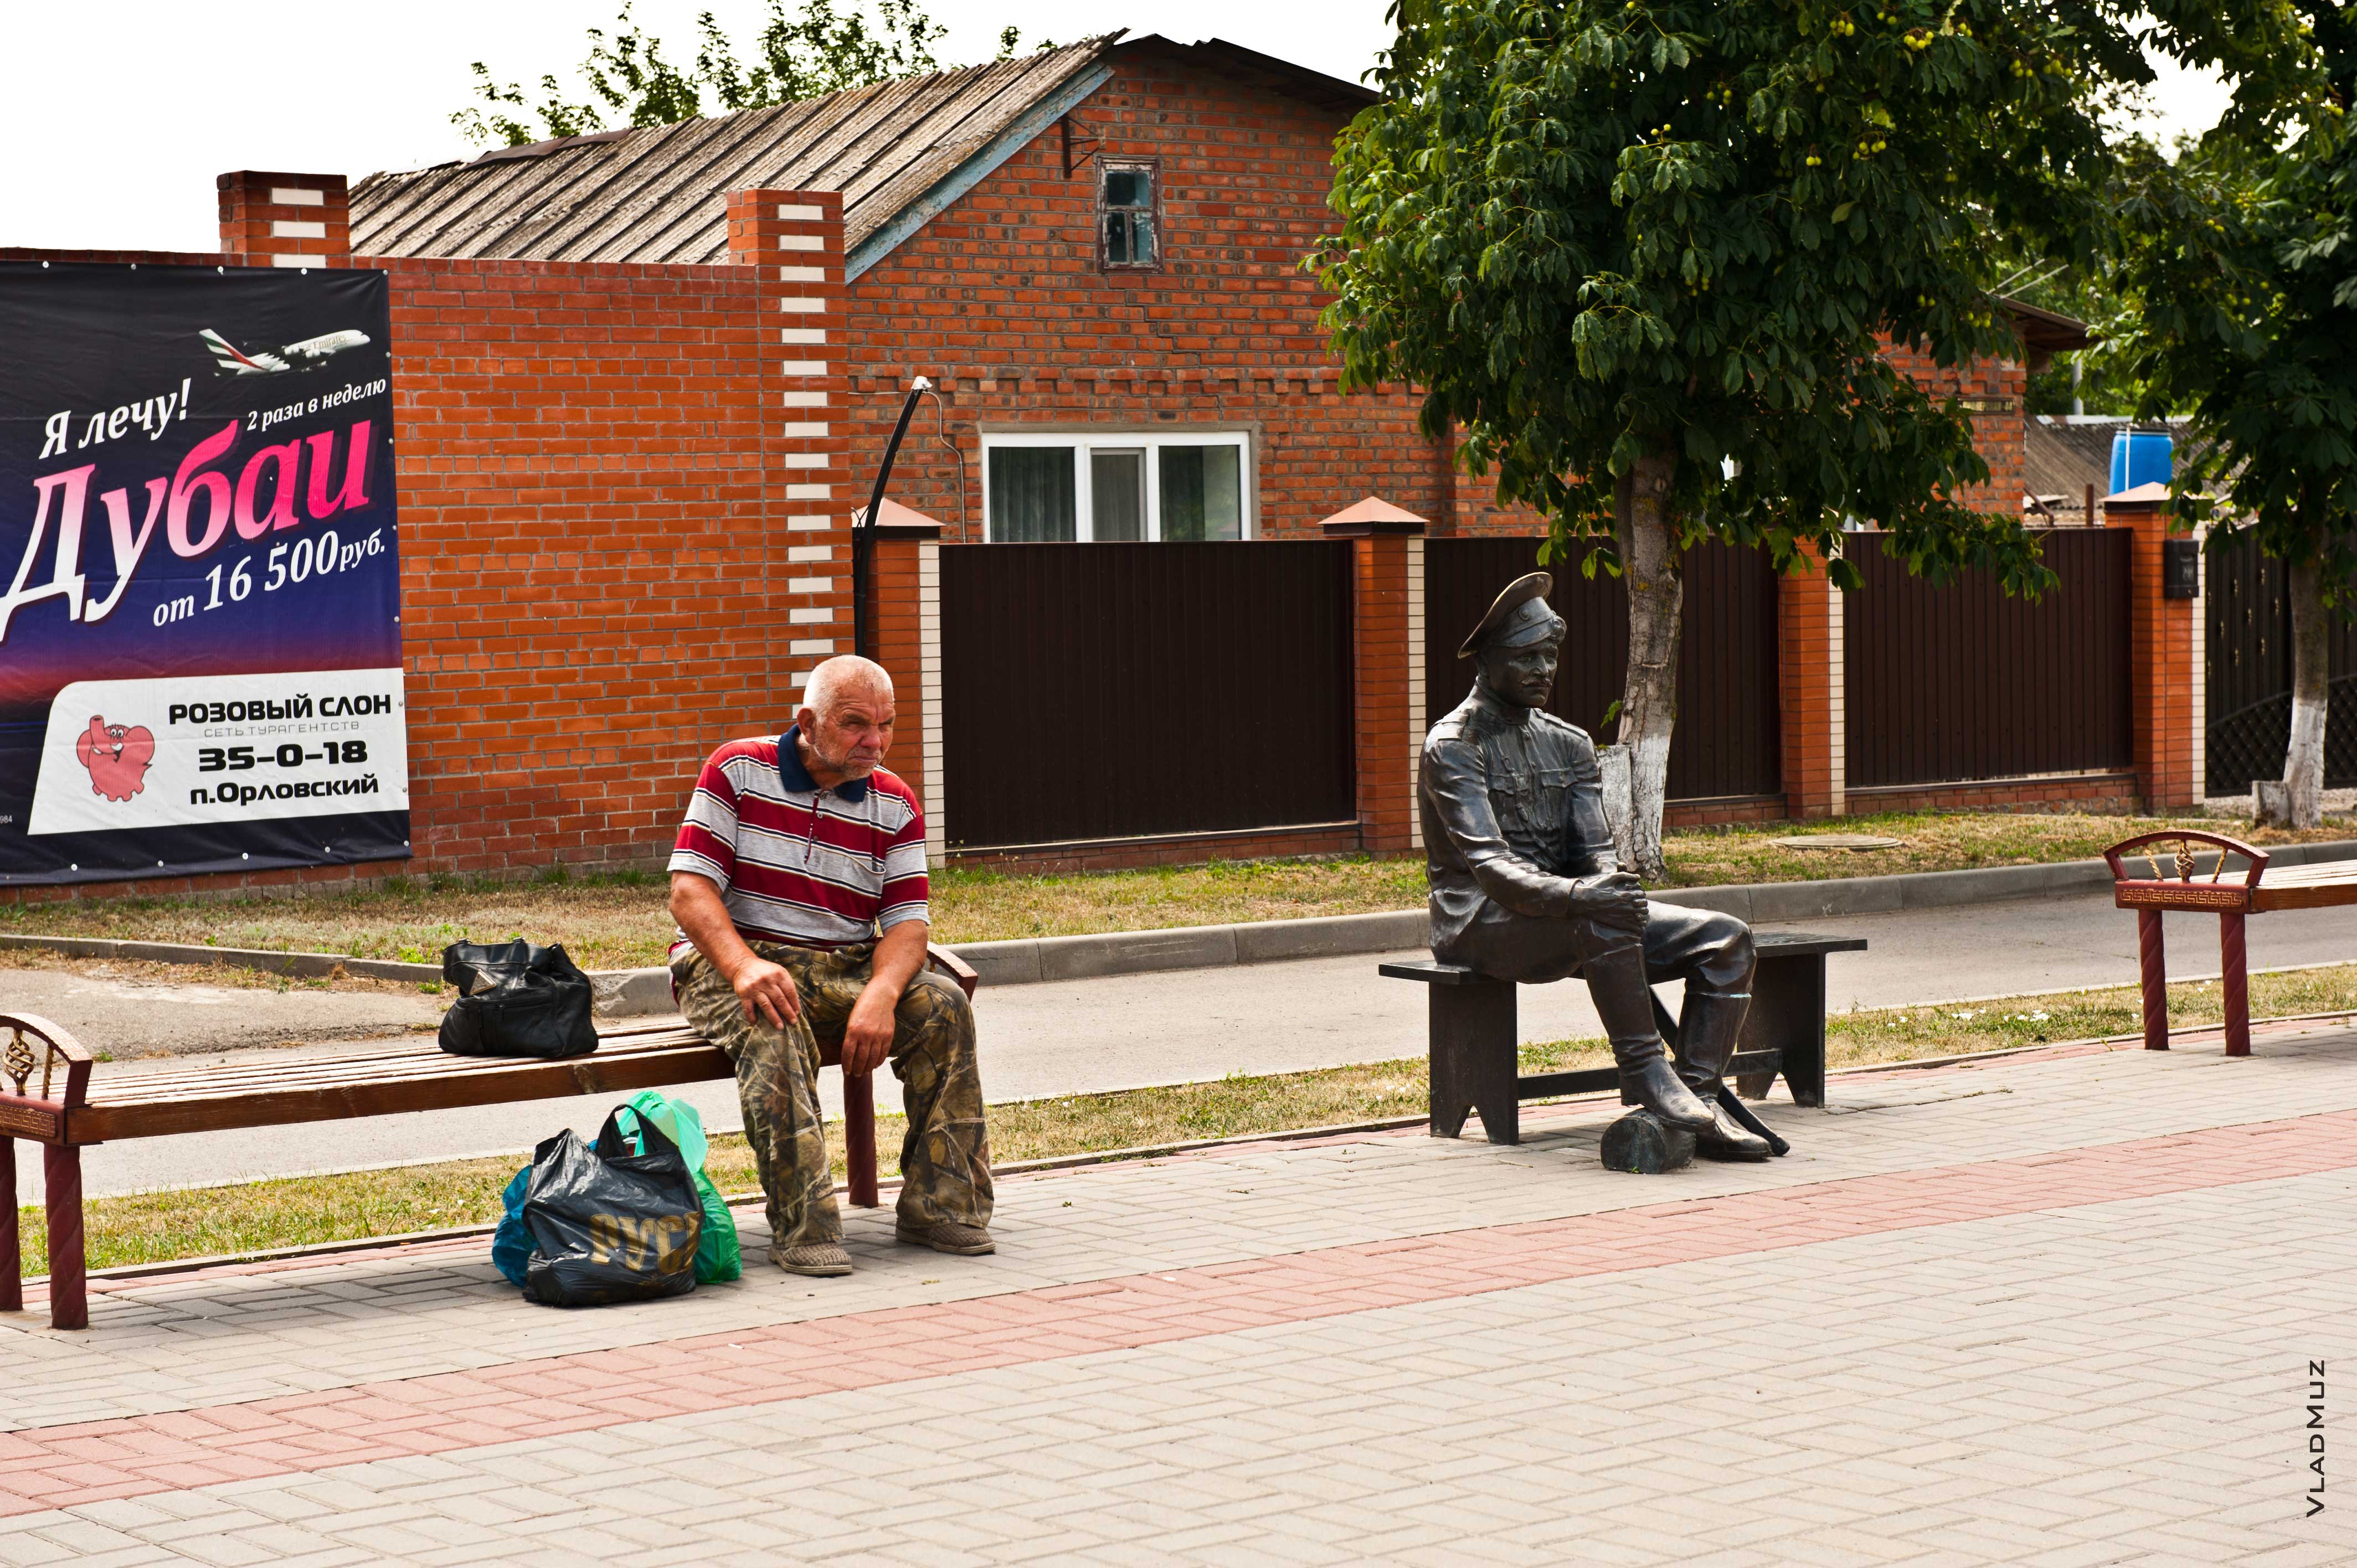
(1513, 808)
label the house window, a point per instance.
(1117, 487)
(1129, 215)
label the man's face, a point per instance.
(1522, 675)
(853, 738)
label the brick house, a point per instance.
(1094, 253)
(644, 376)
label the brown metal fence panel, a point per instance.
(1726, 740)
(2247, 692)
(1121, 691)
(1960, 681)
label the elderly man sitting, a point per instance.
(798, 885)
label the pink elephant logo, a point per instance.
(117, 757)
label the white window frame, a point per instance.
(1081, 441)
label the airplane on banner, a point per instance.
(227, 362)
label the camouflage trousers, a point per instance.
(944, 1159)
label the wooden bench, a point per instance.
(62, 1110)
(2324, 885)
(1474, 1038)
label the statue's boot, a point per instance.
(1616, 983)
(1706, 1038)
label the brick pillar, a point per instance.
(905, 611)
(2165, 655)
(284, 219)
(1809, 666)
(1387, 640)
(795, 239)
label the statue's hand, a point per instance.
(1614, 899)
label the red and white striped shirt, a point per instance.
(796, 863)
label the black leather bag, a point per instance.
(516, 999)
(609, 1224)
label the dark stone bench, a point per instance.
(1474, 1038)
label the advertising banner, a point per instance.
(201, 634)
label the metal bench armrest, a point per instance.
(2256, 857)
(57, 1047)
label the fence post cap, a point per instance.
(2152, 493)
(894, 521)
(1369, 517)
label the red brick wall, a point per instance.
(2103, 794)
(1384, 732)
(1000, 301)
(591, 565)
(1992, 389)
(2166, 659)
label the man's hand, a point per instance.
(867, 1036)
(1615, 899)
(765, 990)
(868, 1033)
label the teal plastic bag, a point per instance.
(718, 1256)
(511, 1243)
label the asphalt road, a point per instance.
(132, 1011)
(1097, 1034)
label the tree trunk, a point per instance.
(2302, 802)
(1649, 703)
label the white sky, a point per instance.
(118, 113)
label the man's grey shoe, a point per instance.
(947, 1236)
(821, 1259)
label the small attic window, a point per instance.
(1129, 214)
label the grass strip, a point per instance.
(268, 1216)
(618, 921)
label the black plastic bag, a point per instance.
(608, 1225)
(516, 999)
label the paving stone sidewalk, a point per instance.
(2056, 1308)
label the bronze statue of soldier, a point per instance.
(1525, 885)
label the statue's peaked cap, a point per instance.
(1521, 615)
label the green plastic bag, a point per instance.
(717, 1255)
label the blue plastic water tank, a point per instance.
(2140, 458)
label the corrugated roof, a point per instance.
(659, 193)
(2062, 457)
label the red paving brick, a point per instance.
(83, 1462)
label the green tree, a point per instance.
(2103, 383)
(1643, 254)
(804, 54)
(2240, 254)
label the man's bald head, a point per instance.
(843, 678)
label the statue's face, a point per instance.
(1522, 675)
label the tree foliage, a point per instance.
(805, 54)
(2242, 253)
(1606, 228)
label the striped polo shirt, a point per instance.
(796, 863)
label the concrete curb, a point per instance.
(619, 993)
(634, 993)
(302, 966)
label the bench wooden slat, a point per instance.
(2318, 870)
(2303, 895)
(407, 1062)
(434, 1087)
(147, 1076)
(137, 1098)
